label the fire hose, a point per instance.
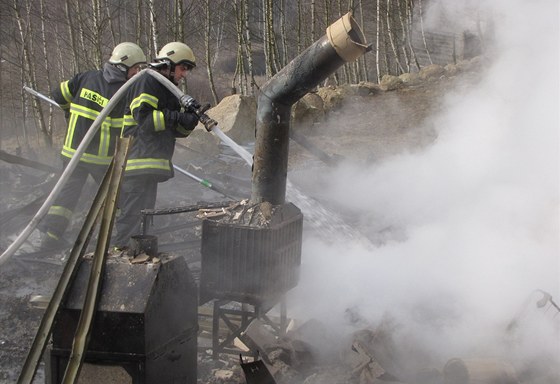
(185, 100)
(193, 107)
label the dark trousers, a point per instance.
(60, 213)
(137, 193)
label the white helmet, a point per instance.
(127, 54)
(177, 53)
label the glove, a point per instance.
(186, 120)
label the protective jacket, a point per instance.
(83, 97)
(151, 117)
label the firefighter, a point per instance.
(153, 117)
(82, 98)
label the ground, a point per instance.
(365, 129)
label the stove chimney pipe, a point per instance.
(343, 42)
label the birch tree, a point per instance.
(28, 73)
(153, 26)
(208, 54)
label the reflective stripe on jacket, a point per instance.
(84, 96)
(150, 118)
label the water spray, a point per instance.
(190, 104)
(210, 125)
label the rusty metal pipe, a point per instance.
(343, 42)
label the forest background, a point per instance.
(238, 44)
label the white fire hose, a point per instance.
(9, 252)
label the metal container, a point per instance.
(249, 264)
(146, 322)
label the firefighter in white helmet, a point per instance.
(83, 98)
(154, 118)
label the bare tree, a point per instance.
(73, 37)
(48, 128)
(248, 47)
(377, 38)
(153, 25)
(208, 55)
(423, 32)
(283, 33)
(239, 62)
(390, 36)
(299, 27)
(28, 72)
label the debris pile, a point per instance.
(311, 354)
(241, 213)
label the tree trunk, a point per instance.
(96, 33)
(179, 25)
(81, 33)
(73, 39)
(299, 28)
(404, 35)
(153, 26)
(363, 58)
(313, 17)
(208, 55)
(423, 32)
(377, 38)
(283, 33)
(28, 72)
(139, 28)
(391, 40)
(49, 127)
(108, 14)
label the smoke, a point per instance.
(473, 220)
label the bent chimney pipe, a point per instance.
(343, 42)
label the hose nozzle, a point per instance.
(191, 105)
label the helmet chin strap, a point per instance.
(160, 66)
(171, 76)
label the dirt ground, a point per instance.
(365, 128)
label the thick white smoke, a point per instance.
(477, 213)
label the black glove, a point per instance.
(186, 120)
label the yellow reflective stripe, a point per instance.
(87, 157)
(128, 121)
(94, 97)
(135, 164)
(144, 98)
(104, 139)
(86, 112)
(65, 90)
(117, 123)
(159, 122)
(59, 210)
(92, 114)
(71, 130)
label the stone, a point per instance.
(332, 97)
(433, 71)
(390, 83)
(411, 78)
(236, 117)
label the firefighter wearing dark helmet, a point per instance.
(153, 117)
(82, 98)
